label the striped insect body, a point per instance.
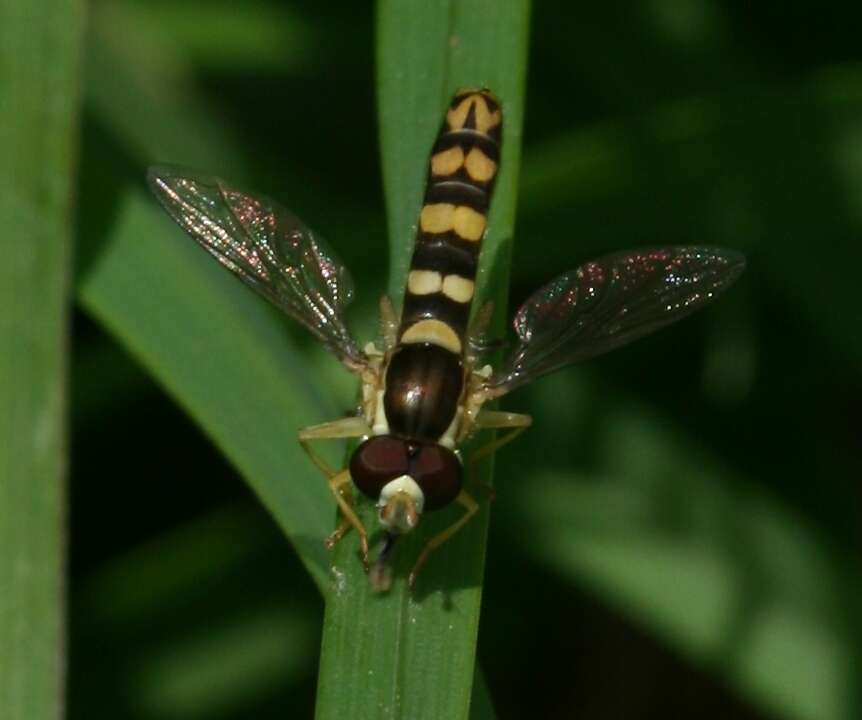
(424, 389)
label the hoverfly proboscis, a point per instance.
(424, 390)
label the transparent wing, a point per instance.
(268, 248)
(609, 302)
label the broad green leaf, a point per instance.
(39, 81)
(404, 655)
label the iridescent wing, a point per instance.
(610, 302)
(268, 248)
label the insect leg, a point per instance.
(339, 483)
(515, 423)
(336, 483)
(335, 536)
(471, 507)
(349, 427)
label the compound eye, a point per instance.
(438, 472)
(377, 461)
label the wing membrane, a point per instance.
(609, 302)
(268, 248)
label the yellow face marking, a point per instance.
(485, 119)
(433, 331)
(479, 166)
(447, 162)
(468, 224)
(458, 288)
(424, 282)
(437, 218)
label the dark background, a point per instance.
(734, 436)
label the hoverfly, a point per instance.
(424, 390)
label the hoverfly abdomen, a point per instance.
(453, 218)
(441, 281)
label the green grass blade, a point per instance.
(403, 656)
(39, 67)
(219, 351)
(196, 329)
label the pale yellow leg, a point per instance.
(349, 427)
(485, 420)
(499, 420)
(490, 420)
(335, 485)
(340, 531)
(471, 507)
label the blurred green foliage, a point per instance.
(677, 535)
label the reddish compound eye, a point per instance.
(377, 461)
(381, 459)
(438, 472)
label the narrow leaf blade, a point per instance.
(39, 48)
(409, 655)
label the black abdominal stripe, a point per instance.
(463, 167)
